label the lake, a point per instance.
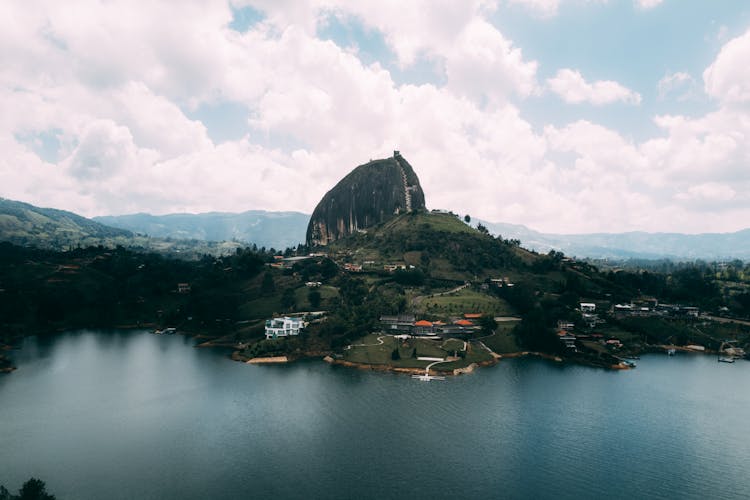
(132, 415)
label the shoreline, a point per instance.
(209, 341)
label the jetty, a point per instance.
(427, 377)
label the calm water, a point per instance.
(131, 415)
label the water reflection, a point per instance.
(135, 415)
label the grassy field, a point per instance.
(436, 222)
(370, 350)
(503, 341)
(465, 301)
(326, 293)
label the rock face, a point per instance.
(370, 194)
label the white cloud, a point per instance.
(479, 62)
(728, 78)
(677, 83)
(647, 4)
(709, 193)
(483, 65)
(573, 88)
(550, 8)
(112, 81)
(545, 8)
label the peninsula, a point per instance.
(383, 283)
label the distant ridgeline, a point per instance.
(370, 194)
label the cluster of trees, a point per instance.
(540, 314)
(44, 290)
(33, 489)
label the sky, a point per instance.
(568, 116)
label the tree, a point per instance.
(313, 296)
(33, 489)
(395, 355)
(288, 299)
(482, 229)
(268, 286)
(467, 218)
(414, 353)
(488, 324)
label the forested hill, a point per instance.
(25, 224)
(50, 229)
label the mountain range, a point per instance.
(632, 245)
(26, 224)
(277, 230)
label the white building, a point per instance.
(588, 307)
(283, 327)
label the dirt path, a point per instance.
(417, 300)
(492, 353)
(380, 342)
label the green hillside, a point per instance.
(438, 244)
(430, 265)
(25, 224)
(46, 228)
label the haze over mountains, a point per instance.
(25, 224)
(632, 245)
(265, 229)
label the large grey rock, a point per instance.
(370, 194)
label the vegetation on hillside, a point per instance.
(433, 265)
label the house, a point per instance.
(400, 323)
(588, 307)
(461, 328)
(313, 284)
(423, 327)
(565, 325)
(567, 339)
(183, 287)
(590, 319)
(354, 268)
(623, 309)
(394, 267)
(472, 315)
(693, 312)
(283, 327)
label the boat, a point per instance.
(166, 331)
(671, 352)
(725, 359)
